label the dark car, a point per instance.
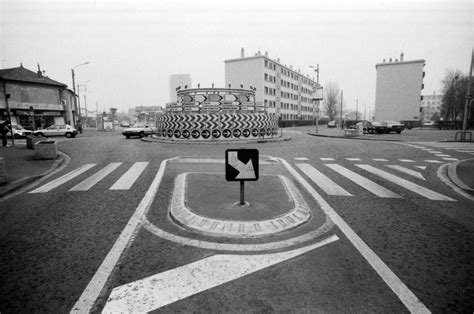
(332, 124)
(394, 126)
(373, 127)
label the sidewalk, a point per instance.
(22, 168)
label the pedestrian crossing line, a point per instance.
(434, 152)
(363, 182)
(408, 171)
(321, 180)
(443, 155)
(327, 159)
(431, 161)
(379, 159)
(353, 159)
(128, 178)
(94, 179)
(63, 179)
(406, 160)
(418, 189)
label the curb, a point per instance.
(20, 183)
(354, 138)
(447, 172)
(158, 140)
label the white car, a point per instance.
(19, 131)
(140, 129)
(57, 130)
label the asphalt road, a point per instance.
(403, 249)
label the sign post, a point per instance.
(241, 165)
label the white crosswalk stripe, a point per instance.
(63, 179)
(411, 172)
(94, 179)
(432, 195)
(365, 183)
(128, 178)
(326, 184)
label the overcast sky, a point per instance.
(134, 46)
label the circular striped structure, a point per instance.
(216, 114)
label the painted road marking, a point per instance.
(156, 291)
(432, 195)
(421, 167)
(95, 286)
(94, 179)
(321, 180)
(406, 296)
(301, 158)
(406, 160)
(327, 159)
(379, 159)
(434, 161)
(411, 172)
(434, 152)
(450, 159)
(442, 155)
(353, 159)
(128, 178)
(363, 182)
(63, 179)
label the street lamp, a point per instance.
(316, 69)
(468, 100)
(78, 110)
(79, 98)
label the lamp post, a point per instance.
(81, 84)
(78, 110)
(468, 100)
(316, 69)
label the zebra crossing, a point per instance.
(431, 147)
(324, 175)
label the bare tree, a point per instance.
(454, 90)
(331, 101)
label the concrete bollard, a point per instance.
(46, 150)
(3, 170)
(32, 140)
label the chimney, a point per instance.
(242, 52)
(384, 61)
(390, 60)
(401, 57)
(40, 74)
(266, 54)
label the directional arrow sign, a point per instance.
(241, 165)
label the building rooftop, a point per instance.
(396, 62)
(22, 74)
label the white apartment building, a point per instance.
(177, 80)
(398, 89)
(282, 89)
(430, 105)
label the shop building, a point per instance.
(431, 105)
(34, 100)
(284, 91)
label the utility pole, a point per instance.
(316, 69)
(342, 93)
(468, 100)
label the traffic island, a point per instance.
(207, 204)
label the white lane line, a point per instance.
(95, 178)
(321, 180)
(434, 161)
(406, 296)
(327, 159)
(434, 152)
(176, 284)
(411, 172)
(363, 182)
(63, 179)
(432, 195)
(95, 286)
(128, 178)
(442, 155)
(450, 159)
(301, 158)
(421, 167)
(353, 159)
(379, 159)
(406, 160)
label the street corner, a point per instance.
(197, 206)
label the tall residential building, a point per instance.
(398, 89)
(283, 90)
(177, 80)
(430, 105)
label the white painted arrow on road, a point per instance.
(246, 171)
(156, 291)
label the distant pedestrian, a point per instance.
(79, 126)
(4, 129)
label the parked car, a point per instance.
(19, 131)
(394, 126)
(332, 124)
(373, 127)
(125, 124)
(57, 130)
(140, 129)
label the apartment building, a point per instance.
(431, 104)
(178, 81)
(398, 89)
(283, 90)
